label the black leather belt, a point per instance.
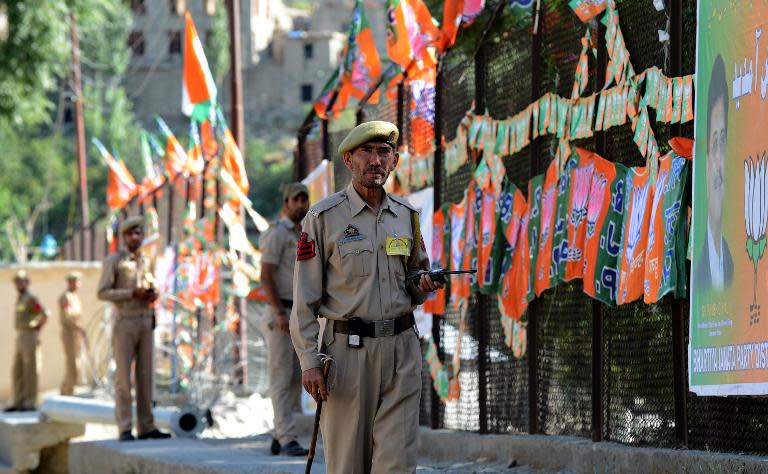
(380, 328)
(287, 304)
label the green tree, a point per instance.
(269, 166)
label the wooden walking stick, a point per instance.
(316, 428)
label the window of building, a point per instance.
(208, 38)
(139, 7)
(136, 43)
(178, 6)
(309, 51)
(174, 42)
(306, 93)
(210, 7)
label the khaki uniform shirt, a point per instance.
(278, 247)
(70, 310)
(121, 273)
(29, 312)
(346, 268)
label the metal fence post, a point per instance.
(597, 310)
(481, 328)
(437, 176)
(400, 112)
(326, 140)
(535, 167)
(679, 356)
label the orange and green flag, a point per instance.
(323, 102)
(121, 187)
(411, 30)
(360, 65)
(175, 156)
(637, 222)
(198, 91)
(195, 160)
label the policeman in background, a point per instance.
(70, 310)
(278, 256)
(126, 281)
(354, 254)
(30, 318)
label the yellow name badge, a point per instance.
(399, 246)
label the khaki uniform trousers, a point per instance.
(132, 340)
(70, 339)
(284, 379)
(25, 369)
(370, 422)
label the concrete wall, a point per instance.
(47, 282)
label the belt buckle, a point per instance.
(384, 327)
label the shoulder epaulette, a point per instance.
(403, 201)
(328, 203)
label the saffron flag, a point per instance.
(475, 206)
(452, 15)
(602, 244)
(665, 263)
(545, 276)
(458, 219)
(560, 247)
(360, 64)
(175, 156)
(195, 161)
(435, 303)
(422, 113)
(234, 163)
(198, 91)
(487, 247)
(328, 94)
(637, 219)
(121, 187)
(512, 295)
(153, 177)
(581, 179)
(410, 32)
(535, 191)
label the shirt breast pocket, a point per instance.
(357, 258)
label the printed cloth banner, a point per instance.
(475, 207)
(535, 191)
(729, 274)
(513, 285)
(587, 9)
(603, 239)
(436, 303)
(581, 180)
(458, 219)
(560, 247)
(637, 222)
(320, 182)
(667, 239)
(488, 250)
(424, 202)
(545, 277)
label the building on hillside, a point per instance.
(288, 55)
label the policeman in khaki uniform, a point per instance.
(354, 254)
(70, 310)
(126, 281)
(30, 318)
(278, 257)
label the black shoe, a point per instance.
(10, 409)
(126, 436)
(275, 448)
(25, 409)
(294, 449)
(155, 434)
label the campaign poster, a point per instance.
(728, 351)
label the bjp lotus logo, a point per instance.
(756, 219)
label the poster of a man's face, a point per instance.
(715, 268)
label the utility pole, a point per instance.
(80, 134)
(238, 131)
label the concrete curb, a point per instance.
(580, 455)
